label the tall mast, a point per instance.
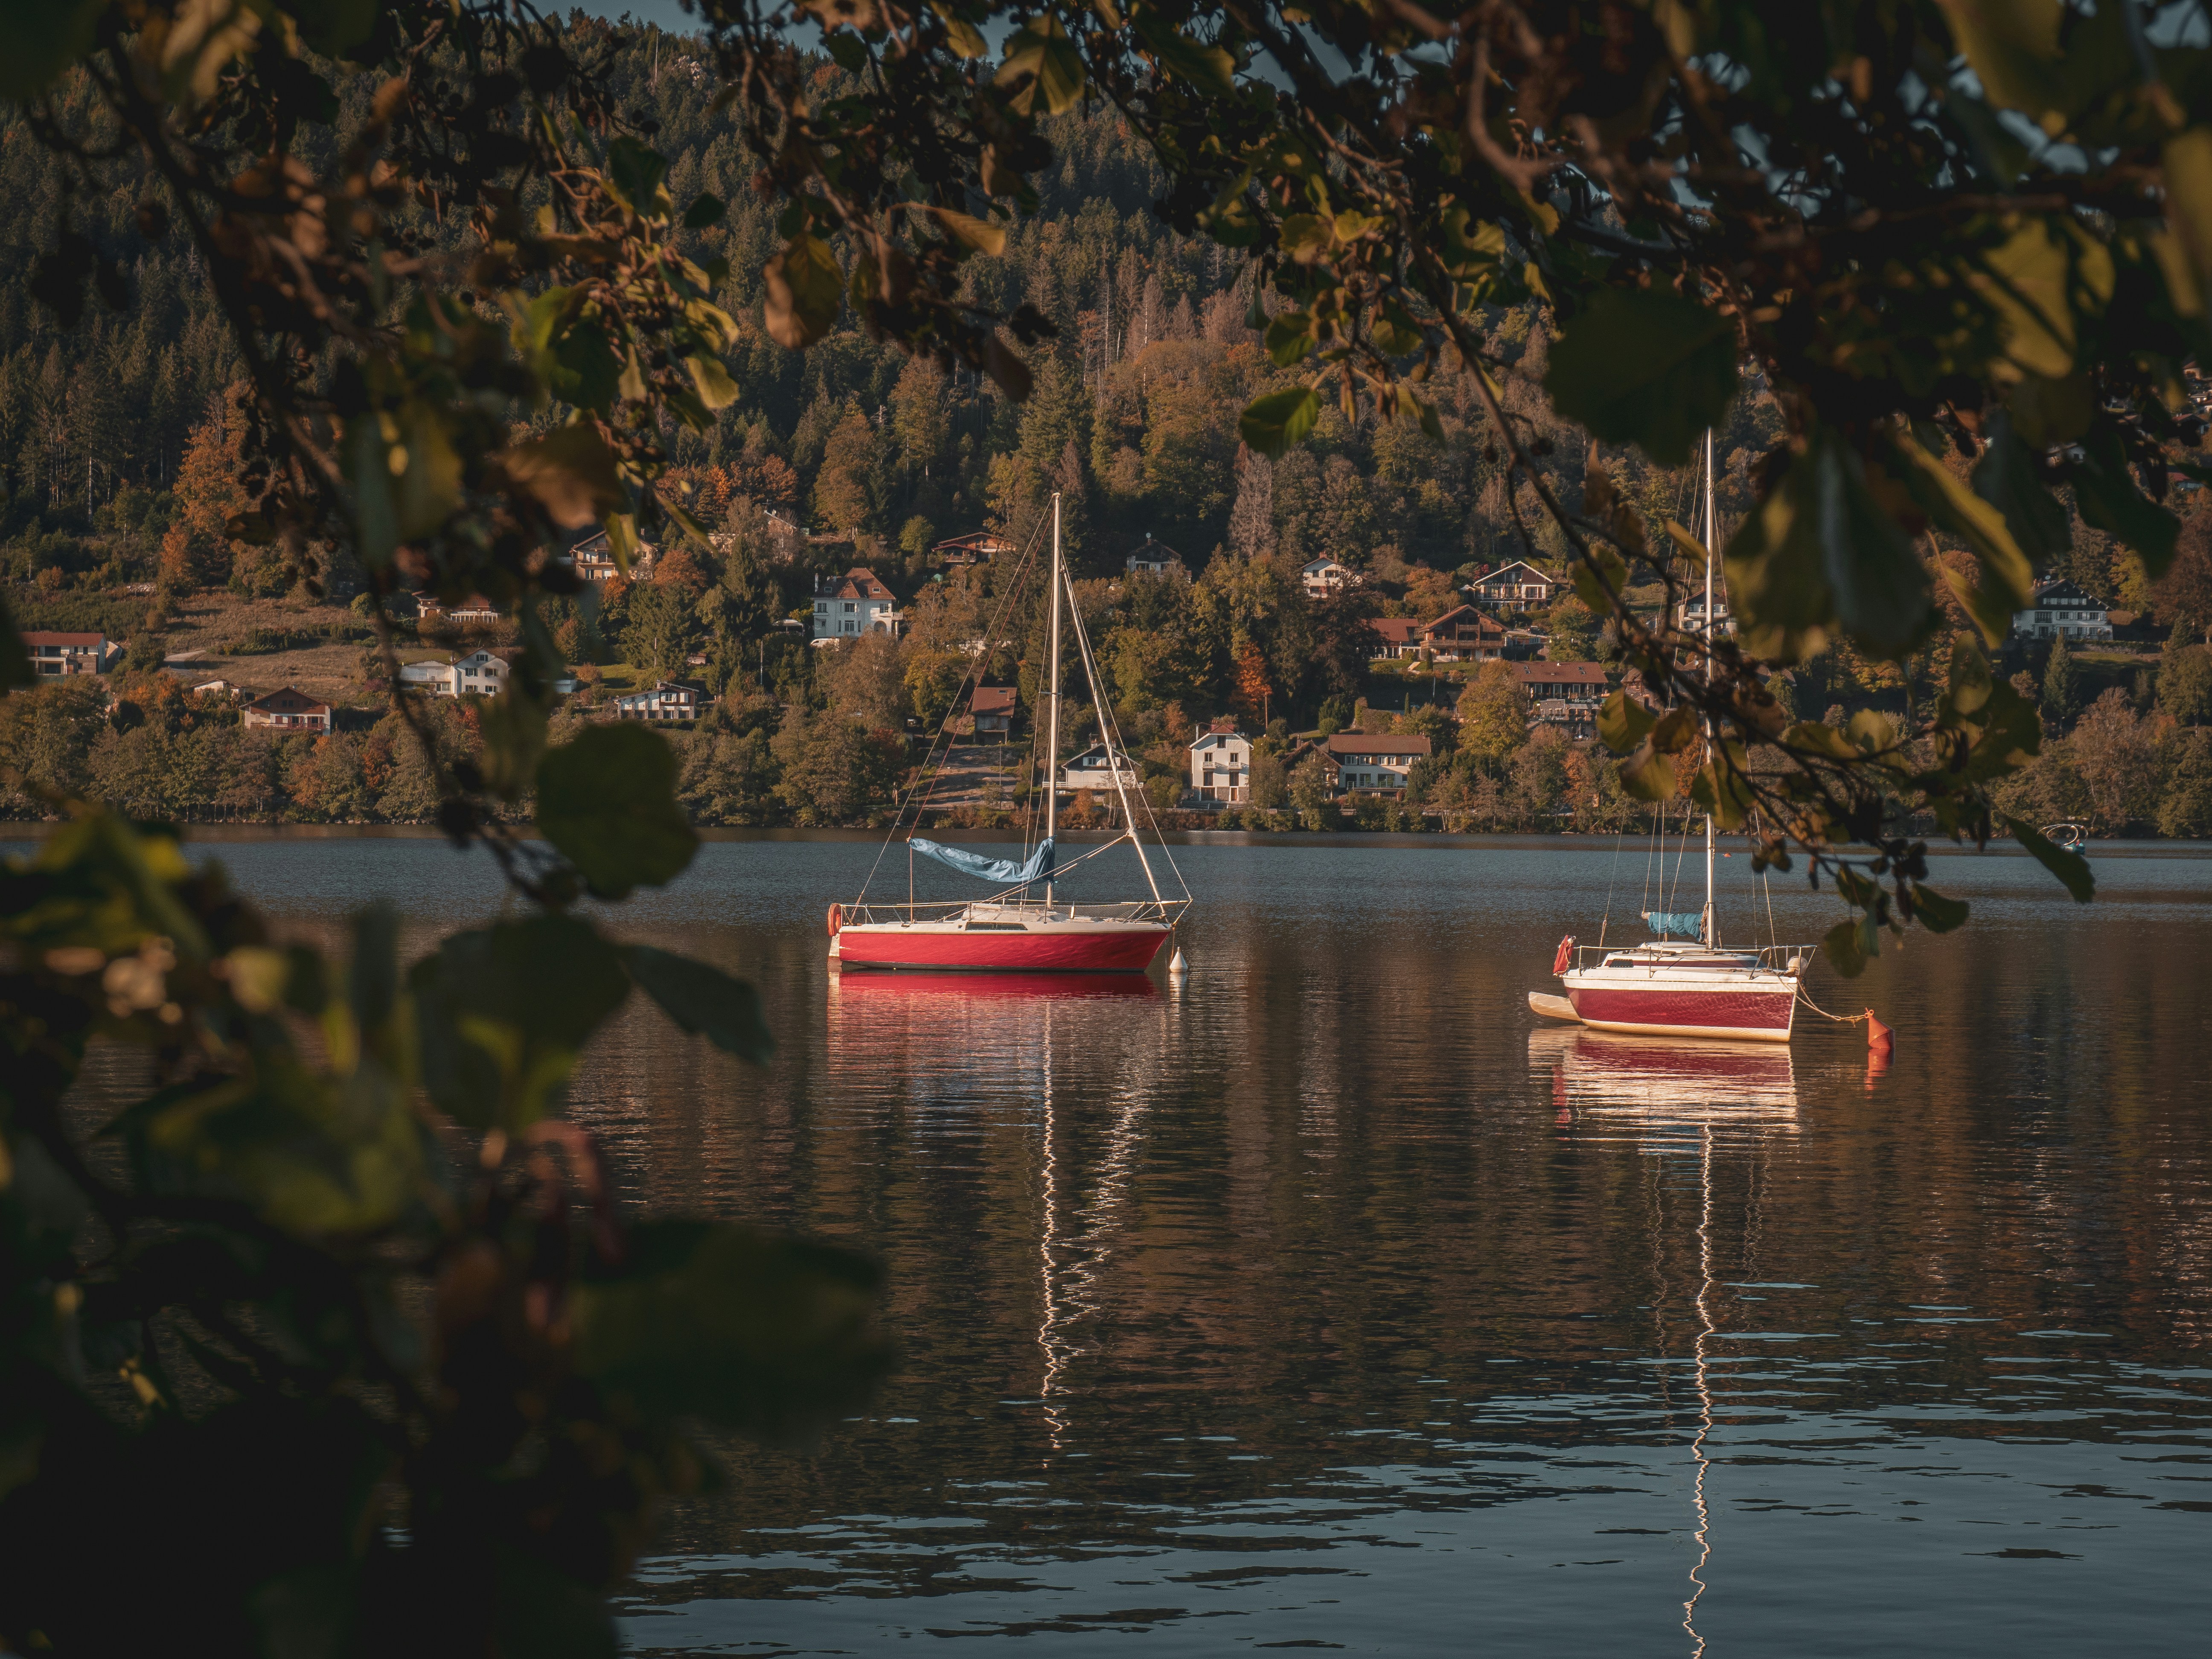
(1711, 922)
(1052, 701)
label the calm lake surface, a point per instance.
(1324, 1301)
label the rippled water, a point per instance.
(1325, 1302)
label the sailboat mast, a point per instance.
(1052, 699)
(1713, 922)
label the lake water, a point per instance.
(1324, 1301)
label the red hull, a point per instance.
(1703, 1011)
(1121, 951)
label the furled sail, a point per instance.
(1007, 872)
(1675, 921)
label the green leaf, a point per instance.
(2105, 490)
(622, 540)
(1206, 67)
(707, 208)
(15, 658)
(1969, 681)
(1647, 774)
(713, 382)
(804, 288)
(1645, 366)
(635, 171)
(585, 368)
(513, 728)
(979, 233)
(964, 38)
(1624, 722)
(606, 798)
(1289, 337)
(2007, 582)
(41, 38)
(2187, 169)
(1848, 945)
(569, 471)
(775, 1337)
(1937, 914)
(2070, 868)
(428, 487)
(1675, 730)
(501, 1012)
(1820, 555)
(1272, 424)
(376, 519)
(1722, 791)
(2006, 478)
(332, 28)
(2012, 46)
(2011, 735)
(1041, 50)
(703, 1001)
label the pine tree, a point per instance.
(2061, 685)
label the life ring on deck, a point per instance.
(837, 920)
(1566, 955)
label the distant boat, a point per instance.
(2071, 836)
(1025, 928)
(1681, 987)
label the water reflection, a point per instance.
(1679, 1098)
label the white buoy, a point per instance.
(1176, 964)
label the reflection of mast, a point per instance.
(1705, 1387)
(1048, 1338)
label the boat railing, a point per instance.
(871, 913)
(1772, 959)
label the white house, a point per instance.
(594, 559)
(1564, 693)
(1221, 765)
(56, 655)
(854, 604)
(2064, 611)
(1516, 586)
(479, 674)
(1693, 611)
(1367, 763)
(671, 700)
(289, 710)
(1322, 575)
(1154, 558)
(1090, 770)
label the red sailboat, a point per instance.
(1027, 926)
(1682, 987)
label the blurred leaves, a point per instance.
(776, 1337)
(703, 1001)
(607, 800)
(1645, 366)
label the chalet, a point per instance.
(1516, 586)
(228, 690)
(977, 547)
(2063, 610)
(474, 609)
(994, 708)
(854, 604)
(1154, 558)
(594, 559)
(289, 710)
(1395, 636)
(1567, 695)
(1368, 764)
(1091, 770)
(55, 656)
(1324, 576)
(1221, 765)
(671, 700)
(1464, 636)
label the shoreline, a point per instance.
(30, 831)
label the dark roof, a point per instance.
(1464, 616)
(37, 638)
(1372, 743)
(993, 700)
(1397, 630)
(1583, 673)
(289, 701)
(859, 584)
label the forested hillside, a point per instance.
(118, 455)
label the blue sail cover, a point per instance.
(1007, 872)
(1675, 921)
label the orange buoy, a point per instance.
(1879, 1038)
(836, 919)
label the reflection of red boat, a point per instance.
(1670, 1084)
(884, 989)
